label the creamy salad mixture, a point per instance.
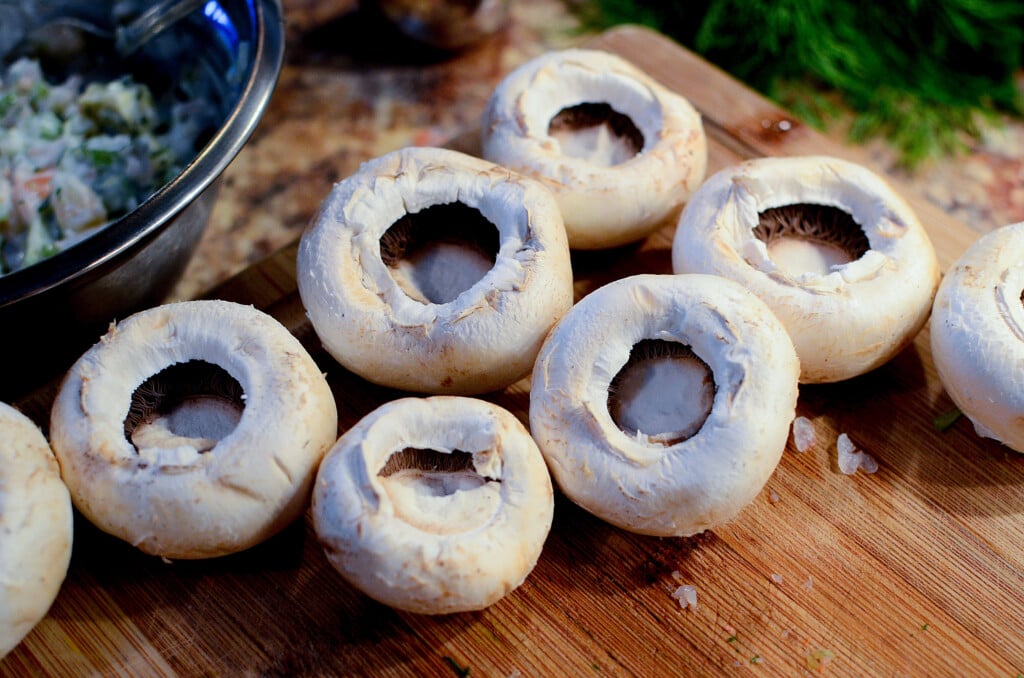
(75, 156)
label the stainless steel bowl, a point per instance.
(50, 311)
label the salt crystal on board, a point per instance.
(803, 434)
(849, 458)
(687, 596)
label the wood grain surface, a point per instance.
(915, 570)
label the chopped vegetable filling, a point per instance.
(74, 157)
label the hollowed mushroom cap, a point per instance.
(977, 335)
(644, 486)
(846, 322)
(484, 339)
(603, 206)
(171, 499)
(417, 547)
(35, 527)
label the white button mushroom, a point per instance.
(839, 256)
(434, 505)
(621, 152)
(35, 527)
(433, 271)
(193, 430)
(662, 403)
(977, 334)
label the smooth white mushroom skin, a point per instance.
(608, 193)
(174, 491)
(638, 482)
(416, 542)
(379, 321)
(977, 335)
(35, 527)
(845, 318)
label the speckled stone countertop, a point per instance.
(351, 90)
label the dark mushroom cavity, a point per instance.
(440, 252)
(597, 133)
(807, 238)
(194, 404)
(663, 393)
(439, 492)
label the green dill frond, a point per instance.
(920, 73)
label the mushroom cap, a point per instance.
(35, 527)
(844, 323)
(175, 501)
(434, 553)
(642, 486)
(977, 334)
(602, 206)
(484, 339)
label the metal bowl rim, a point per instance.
(91, 256)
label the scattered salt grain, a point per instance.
(773, 496)
(850, 459)
(803, 434)
(687, 596)
(809, 584)
(777, 578)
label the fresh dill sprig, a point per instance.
(945, 420)
(920, 73)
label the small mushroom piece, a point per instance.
(433, 271)
(620, 151)
(193, 430)
(35, 527)
(977, 334)
(838, 256)
(434, 505)
(662, 403)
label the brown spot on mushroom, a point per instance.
(810, 238)
(596, 132)
(664, 392)
(195, 403)
(437, 253)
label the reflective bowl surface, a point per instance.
(52, 310)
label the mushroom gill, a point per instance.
(664, 392)
(194, 403)
(439, 492)
(439, 252)
(596, 132)
(808, 238)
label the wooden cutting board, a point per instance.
(915, 570)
